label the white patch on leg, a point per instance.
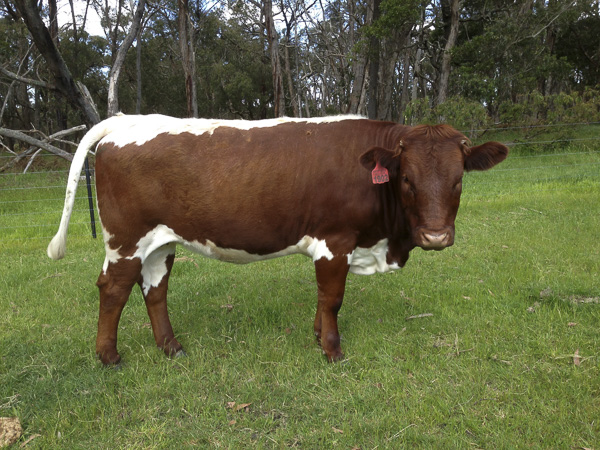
(367, 261)
(154, 267)
(112, 255)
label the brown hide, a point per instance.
(259, 190)
(273, 190)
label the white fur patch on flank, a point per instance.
(157, 239)
(140, 129)
(367, 261)
(315, 248)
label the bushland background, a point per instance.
(472, 61)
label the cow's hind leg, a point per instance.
(154, 281)
(115, 284)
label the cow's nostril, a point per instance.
(435, 241)
(435, 238)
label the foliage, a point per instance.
(563, 107)
(507, 55)
(459, 112)
(395, 14)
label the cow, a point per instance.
(355, 195)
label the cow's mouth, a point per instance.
(434, 239)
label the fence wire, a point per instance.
(31, 203)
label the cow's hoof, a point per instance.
(110, 361)
(337, 358)
(180, 354)
(334, 357)
(116, 367)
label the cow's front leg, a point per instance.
(331, 282)
(115, 283)
(154, 282)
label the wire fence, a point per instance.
(31, 202)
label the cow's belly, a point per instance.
(163, 235)
(309, 246)
(362, 261)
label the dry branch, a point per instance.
(419, 316)
(29, 81)
(37, 144)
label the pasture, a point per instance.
(492, 343)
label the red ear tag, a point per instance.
(380, 174)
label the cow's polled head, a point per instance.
(425, 172)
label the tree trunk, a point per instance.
(113, 34)
(374, 49)
(53, 10)
(138, 73)
(56, 65)
(273, 42)
(188, 57)
(359, 63)
(324, 91)
(115, 71)
(418, 78)
(288, 72)
(404, 98)
(389, 56)
(416, 75)
(451, 19)
(73, 18)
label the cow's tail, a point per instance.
(58, 244)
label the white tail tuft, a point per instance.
(58, 245)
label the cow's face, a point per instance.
(425, 172)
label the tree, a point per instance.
(115, 70)
(257, 59)
(188, 57)
(450, 12)
(62, 80)
(273, 44)
(374, 50)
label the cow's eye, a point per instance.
(408, 185)
(458, 184)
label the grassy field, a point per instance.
(504, 351)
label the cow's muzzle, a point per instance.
(434, 239)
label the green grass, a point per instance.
(493, 366)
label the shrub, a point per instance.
(463, 114)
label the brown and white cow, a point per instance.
(353, 194)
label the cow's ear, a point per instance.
(484, 156)
(384, 157)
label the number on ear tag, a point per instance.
(380, 174)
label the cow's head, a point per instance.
(425, 173)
